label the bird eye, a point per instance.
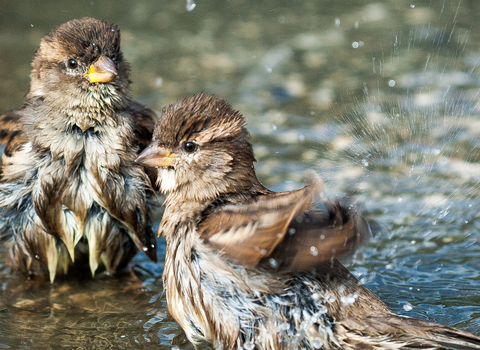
(189, 146)
(72, 63)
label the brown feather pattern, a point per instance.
(223, 228)
(69, 189)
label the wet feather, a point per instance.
(223, 228)
(69, 188)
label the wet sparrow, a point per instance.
(69, 188)
(247, 268)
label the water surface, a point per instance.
(380, 98)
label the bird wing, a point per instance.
(12, 135)
(279, 230)
(144, 123)
(317, 236)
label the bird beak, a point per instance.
(102, 70)
(155, 156)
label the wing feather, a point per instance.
(285, 228)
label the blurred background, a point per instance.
(380, 98)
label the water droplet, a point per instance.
(249, 345)
(337, 22)
(145, 249)
(31, 25)
(364, 162)
(191, 5)
(322, 236)
(269, 70)
(407, 306)
(412, 6)
(349, 299)
(391, 83)
(37, 256)
(317, 343)
(355, 44)
(263, 252)
(400, 199)
(313, 251)
(152, 246)
(291, 231)
(273, 263)
(356, 25)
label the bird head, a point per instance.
(81, 58)
(201, 149)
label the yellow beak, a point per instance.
(155, 156)
(102, 70)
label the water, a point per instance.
(379, 98)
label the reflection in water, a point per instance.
(391, 120)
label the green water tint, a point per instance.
(379, 98)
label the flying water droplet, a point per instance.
(273, 263)
(313, 251)
(407, 306)
(191, 5)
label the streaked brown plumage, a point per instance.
(69, 189)
(247, 268)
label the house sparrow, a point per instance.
(69, 187)
(247, 268)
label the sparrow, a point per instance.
(70, 192)
(248, 268)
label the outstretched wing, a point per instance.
(317, 236)
(281, 231)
